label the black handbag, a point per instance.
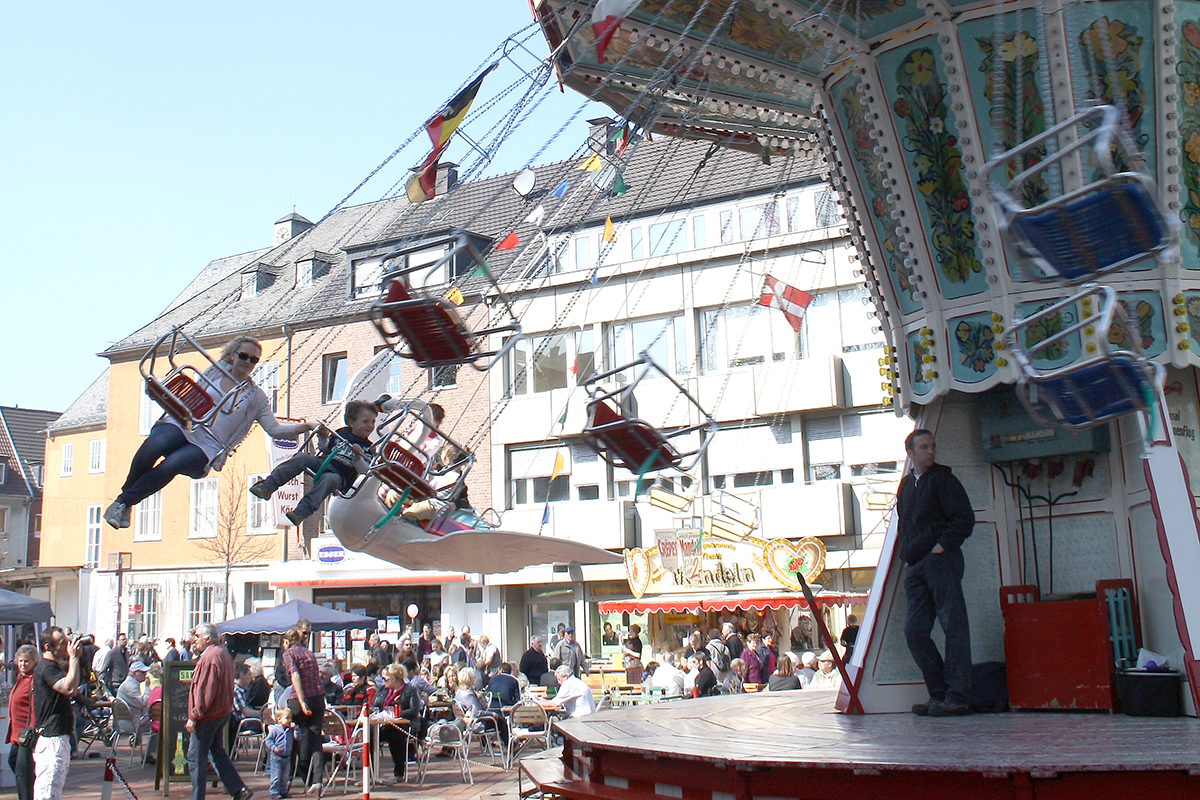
(28, 736)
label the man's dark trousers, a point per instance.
(933, 590)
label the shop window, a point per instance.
(474, 594)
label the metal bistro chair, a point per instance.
(528, 724)
(1106, 225)
(1091, 391)
(250, 733)
(123, 714)
(483, 729)
(425, 326)
(344, 749)
(448, 737)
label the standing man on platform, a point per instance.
(53, 688)
(210, 701)
(935, 519)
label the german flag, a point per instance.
(422, 184)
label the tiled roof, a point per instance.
(22, 442)
(90, 408)
(660, 175)
(215, 271)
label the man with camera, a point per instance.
(53, 688)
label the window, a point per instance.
(37, 527)
(91, 548)
(583, 253)
(826, 472)
(539, 362)
(367, 277)
(667, 237)
(202, 512)
(260, 514)
(3, 472)
(530, 470)
(249, 284)
(726, 227)
(662, 337)
(857, 334)
(749, 456)
(635, 243)
(198, 604)
(68, 456)
(591, 492)
(148, 413)
(96, 455)
(4, 521)
(585, 356)
(793, 215)
(698, 239)
(442, 377)
(266, 377)
(333, 381)
(147, 517)
(759, 221)
(143, 611)
(304, 273)
(829, 213)
(743, 335)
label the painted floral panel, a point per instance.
(1144, 310)
(974, 358)
(1062, 352)
(1193, 316)
(852, 114)
(925, 121)
(1189, 133)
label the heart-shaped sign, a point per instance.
(784, 560)
(637, 571)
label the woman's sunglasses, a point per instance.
(247, 357)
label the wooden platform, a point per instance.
(794, 745)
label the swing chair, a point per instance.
(422, 325)
(730, 516)
(615, 432)
(1103, 226)
(1108, 385)
(405, 458)
(183, 392)
(312, 445)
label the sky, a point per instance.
(142, 140)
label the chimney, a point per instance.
(447, 178)
(291, 225)
(598, 130)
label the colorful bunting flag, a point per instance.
(560, 191)
(509, 242)
(609, 234)
(455, 296)
(536, 216)
(594, 278)
(620, 138)
(788, 299)
(618, 187)
(558, 465)
(606, 19)
(562, 418)
(591, 164)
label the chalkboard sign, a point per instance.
(173, 738)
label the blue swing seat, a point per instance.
(1107, 225)
(1108, 385)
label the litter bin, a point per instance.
(1150, 693)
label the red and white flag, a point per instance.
(788, 299)
(606, 19)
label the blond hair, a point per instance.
(232, 347)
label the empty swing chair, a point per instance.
(615, 432)
(184, 393)
(424, 325)
(1103, 226)
(406, 462)
(1109, 384)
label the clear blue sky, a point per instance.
(142, 140)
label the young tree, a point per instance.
(230, 543)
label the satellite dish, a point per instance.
(523, 183)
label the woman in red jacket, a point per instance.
(20, 716)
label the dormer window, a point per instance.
(312, 267)
(304, 273)
(250, 284)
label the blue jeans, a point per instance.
(179, 457)
(280, 769)
(933, 590)
(206, 743)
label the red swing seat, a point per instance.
(400, 463)
(630, 443)
(423, 325)
(180, 392)
(399, 469)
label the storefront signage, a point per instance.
(1180, 393)
(285, 500)
(331, 554)
(705, 562)
(668, 548)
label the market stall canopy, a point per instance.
(17, 609)
(284, 617)
(695, 603)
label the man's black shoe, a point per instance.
(922, 709)
(944, 709)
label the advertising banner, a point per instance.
(668, 548)
(278, 451)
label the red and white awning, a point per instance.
(695, 603)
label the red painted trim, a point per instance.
(1191, 665)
